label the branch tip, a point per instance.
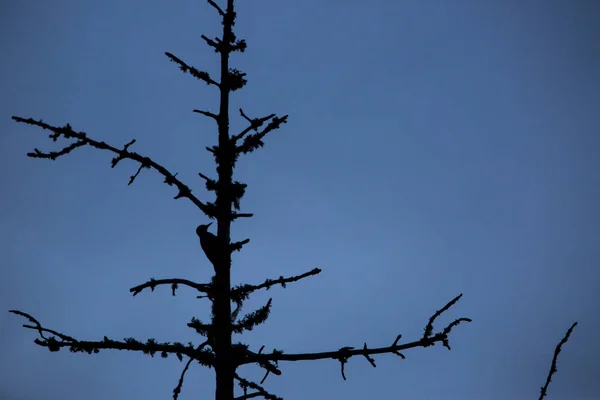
(544, 389)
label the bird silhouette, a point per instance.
(210, 244)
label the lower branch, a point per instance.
(150, 347)
(177, 389)
(345, 353)
(260, 391)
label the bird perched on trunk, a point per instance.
(210, 244)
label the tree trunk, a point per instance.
(224, 368)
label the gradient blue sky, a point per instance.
(433, 148)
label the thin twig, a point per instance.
(553, 369)
(174, 282)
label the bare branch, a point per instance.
(82, 139)
(152, 283)
(208, 114)
(345, 353)
(240, 352)
(366, 354)
(177, 389)
(244, 384)
(216, 44)
(60, 340)
(206, 178)
(238, 245)
(240, 215)
(211, 184)
(448, 329)
(255, 123)
(221, 12)
(254, 141)
(553, 369)
(244, 290)
(429, 326)
(202, 75)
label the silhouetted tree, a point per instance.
(217, 350)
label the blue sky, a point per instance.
(433, 148)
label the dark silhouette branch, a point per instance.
(59, 340)
(429, 326)
(544, 389)
(175, 282)
(254, 141)
(253, 319)
(241, 352)
(121, 154)
(235, 215)
(177, 389)
(202, 75)
(255, 123)
(243, 291)
(237, 246)
(216, 44)
(221, 12)
(208, 114)
(245, 384)
(345, 353)
(211, 184)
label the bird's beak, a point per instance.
(208, 225)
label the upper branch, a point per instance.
(59, 340)
(202, 75)
(243, 291)
(208, 114)
(124, 153)
(219, 9)
(254, 141)
(255, 123)
(174, 282)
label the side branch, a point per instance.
(177, 389)
(553, 369)
(255, 123)
(145, 162)
(202, 75)
(59, 340)
(345, 353)
(254, 140)
(237, 246)
(243, 291)
(236, 215)
(174, 282)
(260, 391)
(208, 114)
(220, 11)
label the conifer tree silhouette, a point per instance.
(216, 350)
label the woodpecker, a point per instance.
(209, 243)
